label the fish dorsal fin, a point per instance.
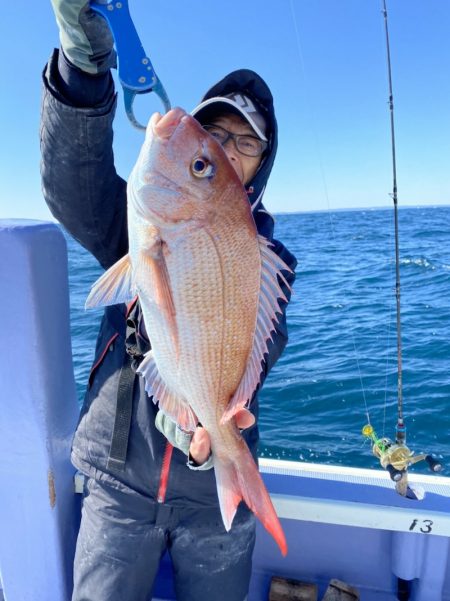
(169, 403)
(268, 315)
(113, 287)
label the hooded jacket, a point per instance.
(252, 85)
(85, 193)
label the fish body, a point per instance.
(208, 288)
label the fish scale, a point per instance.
(204, 328)
(193, 273)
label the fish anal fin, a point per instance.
(169, 403)
(268, 315)
(113, 287)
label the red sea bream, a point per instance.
(208, 286)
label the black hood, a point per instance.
(251, 84)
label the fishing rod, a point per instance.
(396, 457)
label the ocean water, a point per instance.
(340, 365)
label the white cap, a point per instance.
(235, 103)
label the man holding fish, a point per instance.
(195, 291)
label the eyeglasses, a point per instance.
(248, 145)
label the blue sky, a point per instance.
(329, 84)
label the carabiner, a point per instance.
(135, 70)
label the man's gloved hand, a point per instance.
(85, 36)
(196, 445)
(182, 440)
(200, 447)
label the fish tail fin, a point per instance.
(236, 482)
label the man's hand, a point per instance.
(200, 447)
(197, 445)
(85, 36)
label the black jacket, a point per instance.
(85, 193)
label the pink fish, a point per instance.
(209, 291)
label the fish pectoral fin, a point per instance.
(113, 287)
(269, 312)
(163, 292)
(169, 402)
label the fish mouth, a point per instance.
(164, 126)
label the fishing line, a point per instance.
(387, 370)
(325, 187)
(388, 356)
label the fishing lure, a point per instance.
(136, 72)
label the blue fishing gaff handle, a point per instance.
(136, 72)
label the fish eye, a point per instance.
(201, 167)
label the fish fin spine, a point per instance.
(269, 311)
(169, 402)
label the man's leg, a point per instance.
(208, 562)
(118, 547)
